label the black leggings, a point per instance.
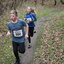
(18, 47)
(31, 33)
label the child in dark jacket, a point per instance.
(30, 17)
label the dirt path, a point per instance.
(27, 58)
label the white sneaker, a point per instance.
(29, 46)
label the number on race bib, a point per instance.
(29, 19)
(18, 33)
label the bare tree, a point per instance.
(35, 1)
(1, 8)
(62, 1)
(42, 2)
(55, 2)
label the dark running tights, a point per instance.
(29, 39)
(31, 32)
(18, 47)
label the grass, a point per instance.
(44, 12)
(60, 23)
(51, 48)
(6, 55)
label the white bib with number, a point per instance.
(18, 33)
(29, 19)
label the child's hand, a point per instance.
(8, 33)
(25, 19)
(26, 36)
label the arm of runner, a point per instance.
(26, 35)
(9, 30)
(8, 33)
(25, 18)
(33, 17)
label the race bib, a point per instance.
(29, 19)
(18, 33)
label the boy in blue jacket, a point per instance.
(30, 18)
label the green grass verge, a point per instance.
(51, 48)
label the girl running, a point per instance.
(30, 17)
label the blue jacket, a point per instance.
(33, 19)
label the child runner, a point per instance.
(30, 18)
(16, 28)
(32, 10)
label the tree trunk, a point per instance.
(42, 3)
(62, 1)
(55, 2)
(35, 1)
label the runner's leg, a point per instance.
(15, 51)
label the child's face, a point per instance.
(13, 17)
(29, 10)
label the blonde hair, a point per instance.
(14, 12)
(32, 9)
